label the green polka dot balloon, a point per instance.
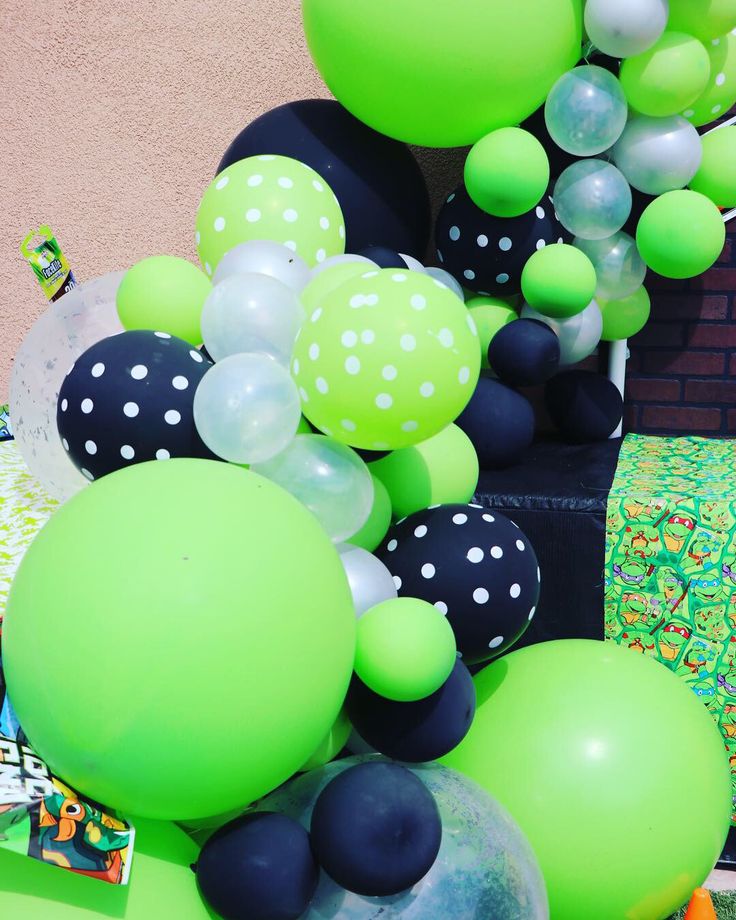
(387, 360)
(269, 198)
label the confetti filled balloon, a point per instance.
(592, 199)
(128, 399)
(619, 268)
(507, 172)
(586, 111)
(658, 155)
(370, 581)
(489, 315)
(389, 360)
(716, 178)
(559, 281)
(269, 198)
(625, 28)
(705, 19)
(579, 335)
(720, 92)
(473, 564)
(623, 318)
(264, 258)
(487, 254)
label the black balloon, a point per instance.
(128, 399)
(524, 353)
(415, 732)
(585, 406)
(487, 254)
(473, 563)
(499, 422)
(383, 256)
(377, 181)
(376, 829)
(258, 867)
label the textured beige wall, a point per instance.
(115, 114)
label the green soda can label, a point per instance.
(51, 269)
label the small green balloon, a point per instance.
(328, 281)
(716, 178)
(166, 294)
(406, 649)
(269, 198)
(440, 471)
(720, 93)
(680, 234)
(489, 314)
(371, 534)
(623, 318)
(507, 172)
(331, 745)
(668, 77)
(705, 19)
(558, 281)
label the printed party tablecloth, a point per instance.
(670, 567)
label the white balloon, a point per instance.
(623, 28)
(449, 281)
(251, 313)
(264, 257)
(619, 268)
(327, 477)
(341, 260)
(369, 579)
(70, 325)
(414, 265)
(658, 155)
(579, 335)
(247, 408)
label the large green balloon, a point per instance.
(269, 198)
(720, 93)
(442, 74)
(558, 280)
(716, 178)
(219, 609)
(668, 77)
(507, 172)
(605, 784)
(625, 317)
(705, 19)
(371, 534)
(680, 234)
(161, 884)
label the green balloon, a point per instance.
(716, 178)
(269, 198)
(705, 19)
(720, 93)
(507, 172)
(558, 281)
(388, 360)
(440, 471)
(406, 649)
(489, 314)
(668, 77)
(161, 884)
(328, 281)
(603, 790)
(680, 234)
(439, 74)
(166, 294)
(371, 534)
(213, 592)
(331, 745)
(623, 318)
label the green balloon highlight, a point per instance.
(388, 360)
(161, 883)
(331, 745)
(438, 74)
(406, 649)
(720, 93)
(489, 315)
(212, 592)
(269, 198)
(705, 19)
(507, 172)
(440, 471)
(668, 77)
(680, 234)
(716, 178)
(166, 294)
(558, 281)
(628, 740)
(623, 318)
(371, 534)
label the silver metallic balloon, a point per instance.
(623, 28)
(369, 579)
(579, 335)
(658, 155)
(264, 257)
(592, 199)
(586, 111)
(618, 266)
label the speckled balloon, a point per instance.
(387, 360)
(269, 198)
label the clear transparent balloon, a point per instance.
(449, 281)
(369, 579)
(658, 155)
(262, 257)
(485, 868)
(251, 313)
(328, 478)
(247, 408)
(69, 326)
(625, 27)
(579, 335)
(618, 266)
(586, 111)
(592, 199)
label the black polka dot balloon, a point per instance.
(487, 254)
(128, 399)
(473, 564)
